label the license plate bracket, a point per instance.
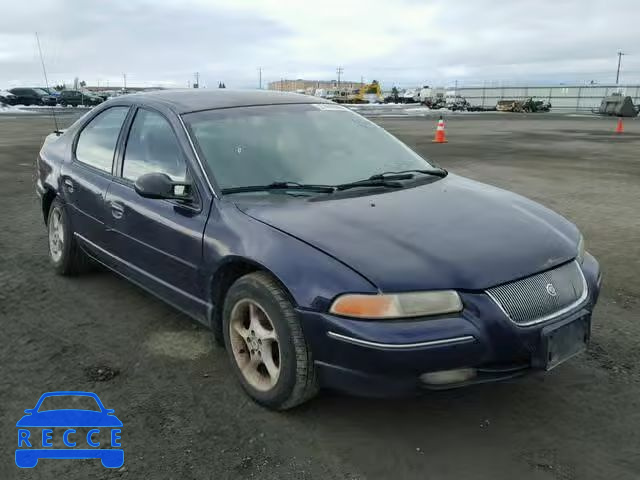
(563, 341)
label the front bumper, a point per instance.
(388, 358)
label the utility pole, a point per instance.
(124, 77)
(260, 78)
(197, 83)
(620, 54)
(339, 71)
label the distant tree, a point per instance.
(59, 87)
(221, 85)
(83, 84)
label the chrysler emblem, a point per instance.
(551, 290)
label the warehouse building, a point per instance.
(309, 86)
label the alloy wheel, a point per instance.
(255, 345)
(56, 235)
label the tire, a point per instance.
(68, 258)
(296, 381)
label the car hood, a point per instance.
(69, 418)
(451, 233)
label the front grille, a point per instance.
(531, 300)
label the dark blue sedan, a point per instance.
(319, 249)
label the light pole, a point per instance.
(620, 54)
(339, 71)
(260, 78)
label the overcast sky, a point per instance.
(402, 42)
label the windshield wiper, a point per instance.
(370, 183)
(385, 180)
(281, 186)
(389, 179)
(408, 174)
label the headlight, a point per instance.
(400, 305)
(580, 256)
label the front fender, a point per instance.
(312, 277)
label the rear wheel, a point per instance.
(266, 345)
(64, 253)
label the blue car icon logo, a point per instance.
(84, 432)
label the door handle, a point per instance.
(117, 209)
(69, 184)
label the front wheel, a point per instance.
(266, 345)
(64, 252)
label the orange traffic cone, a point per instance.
(440, 135)
(620, 126)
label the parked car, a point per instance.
(297, 230)
(7, 98)
(103, 95)
(33, 96)
(51, 91)
(76, 98)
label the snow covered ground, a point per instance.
(21, 109)
(13, 109)
(401, 110)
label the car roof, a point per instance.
(193, 100)
(73, 393)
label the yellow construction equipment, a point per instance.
(368, 93)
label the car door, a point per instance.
(70, 98)
(65, 98)
(32, 97)
(85, 180)
(158, 242)
(22, 97)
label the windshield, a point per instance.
(40, 91)
(62, 402)
(308, 144)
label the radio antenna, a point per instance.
(46, 82)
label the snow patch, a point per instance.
(13, 109)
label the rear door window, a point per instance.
(97, 141)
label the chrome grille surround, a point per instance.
(530, 300)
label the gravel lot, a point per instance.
(184, 417)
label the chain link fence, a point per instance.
(567, 98)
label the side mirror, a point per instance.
(160, 186)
